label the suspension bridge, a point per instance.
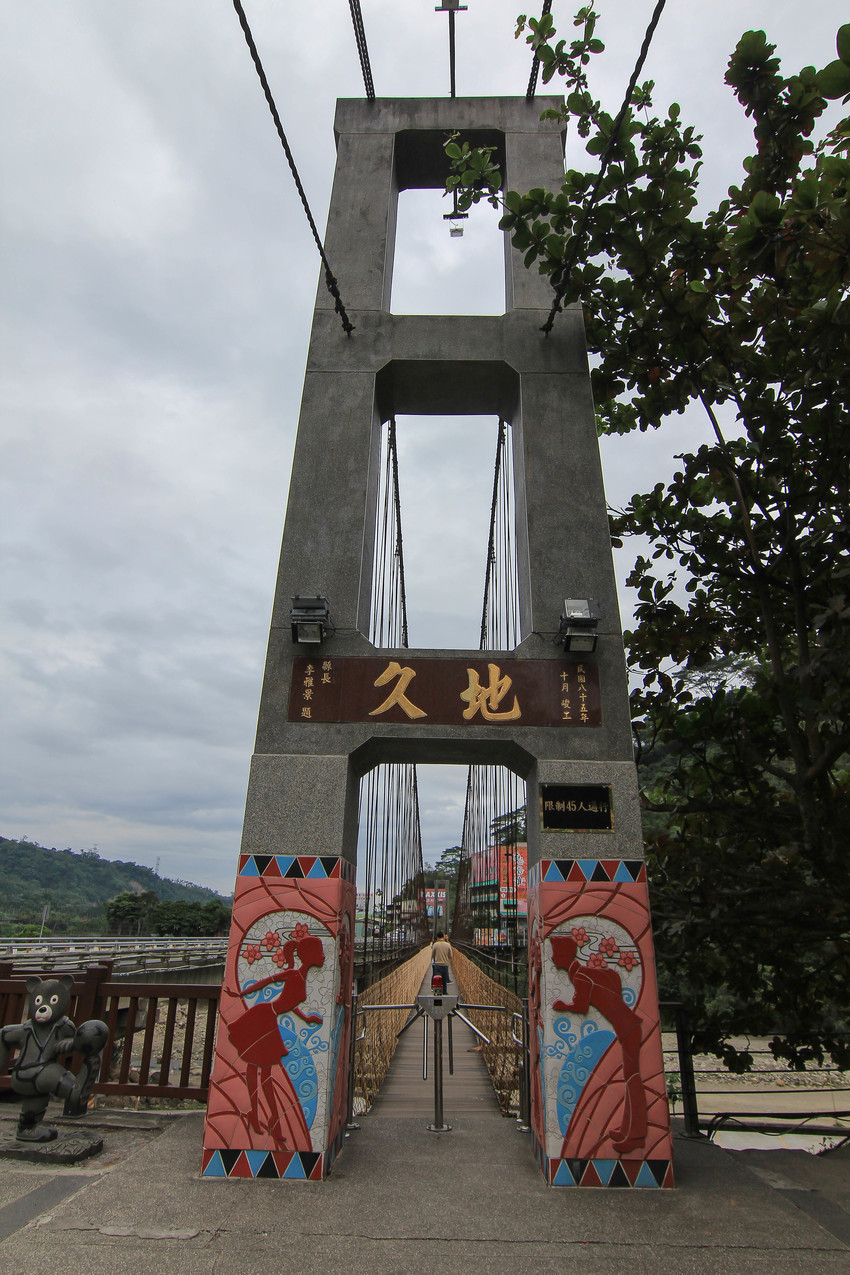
(327, 1031)
(330, 890)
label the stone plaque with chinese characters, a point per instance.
(576, 808)
(445, 692)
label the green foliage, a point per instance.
(744, 312)
(130, 913)
(78, 887)
(445, 871)
(191, 919)
(834, 79)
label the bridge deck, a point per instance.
(468, 1092)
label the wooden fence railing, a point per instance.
(503, 1055)
(377, 1030)
(161, 1036)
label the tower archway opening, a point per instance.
(436, 271)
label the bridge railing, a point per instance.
(769, 1098)
(499, 1023)
(376, 1031)
(45, 956)
(161, 1036)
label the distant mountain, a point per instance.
(77, 885)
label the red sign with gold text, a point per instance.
(445, 692)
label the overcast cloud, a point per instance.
(157, 293)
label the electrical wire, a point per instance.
(330, 279)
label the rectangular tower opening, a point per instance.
(466, 826)
(445, 481)
(440, 271)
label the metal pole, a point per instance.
(438, 1126)
(525, 1089)
(350, 1122)
(690, 1110)
(438, 1073)
(452, 52)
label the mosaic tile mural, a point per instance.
(279, 1088)
(599, 1105)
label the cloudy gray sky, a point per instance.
(158, 279)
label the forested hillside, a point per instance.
(77, 885)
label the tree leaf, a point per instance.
(834, 80)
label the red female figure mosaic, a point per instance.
(259, 1035)
(279, 1083)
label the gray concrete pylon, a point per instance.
(304, 777)
(278, 1092)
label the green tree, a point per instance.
(445, 871)
(130, 913)
(184, 919)
(742, 311)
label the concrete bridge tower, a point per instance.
(336, 707)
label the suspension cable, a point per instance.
(390, 876)
(399, 543)
(535, 62)
(330, 280)
(362, 50)
(491, 557)
(576, 241)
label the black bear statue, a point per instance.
(36, 1047)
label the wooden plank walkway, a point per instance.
(468, 1092)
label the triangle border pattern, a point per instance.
(292, 867)
(609, 1174)
(301, 1166)
(582, 871)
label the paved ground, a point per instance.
(401, 1199)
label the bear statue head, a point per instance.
(50, 998)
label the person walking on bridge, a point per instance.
(441, 955)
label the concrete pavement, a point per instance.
(401, 1199)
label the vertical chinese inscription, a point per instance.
(312, 680)
(574, 694)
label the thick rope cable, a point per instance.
(330, 279)
(362, 49)
(535, 62)
(576, 241)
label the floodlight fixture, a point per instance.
(311, 620)
(578, 625)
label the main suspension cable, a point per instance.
(576, 241)
(330, 280)
(362, 50)
(535, 62)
